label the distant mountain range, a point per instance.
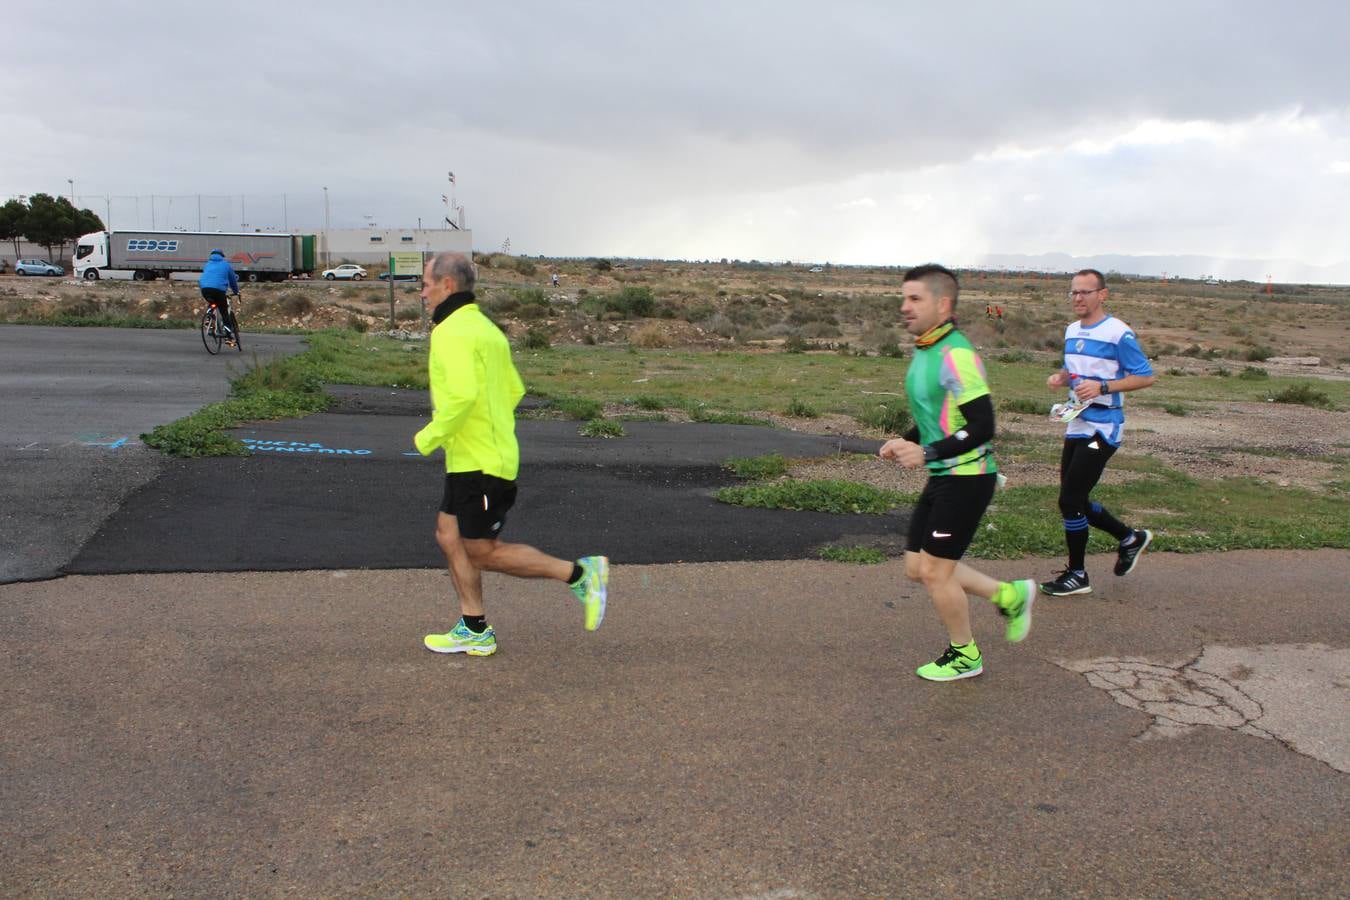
(1284, 271)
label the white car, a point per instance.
(346, 270)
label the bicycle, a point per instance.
(215, 331)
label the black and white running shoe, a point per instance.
(1066, 583)
(1128, 557)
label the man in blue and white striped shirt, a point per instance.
(1102, 360)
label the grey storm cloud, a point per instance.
(914, 83)
(589, 109)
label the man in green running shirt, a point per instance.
(954, 425)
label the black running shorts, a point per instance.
(478, 502)
(948, 512)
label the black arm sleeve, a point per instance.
(979, 429)
(912, 435)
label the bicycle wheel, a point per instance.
(210, 331)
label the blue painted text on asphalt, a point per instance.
(299, 447)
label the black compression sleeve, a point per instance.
(912, 435)
(979, 428)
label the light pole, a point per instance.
(327, 259)
(71, 182)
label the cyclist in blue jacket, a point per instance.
(217, 278)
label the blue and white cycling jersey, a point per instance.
(1107, 350)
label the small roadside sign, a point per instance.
(405, 263)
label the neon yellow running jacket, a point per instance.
(474, 391)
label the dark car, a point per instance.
(384, 276)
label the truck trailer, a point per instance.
(147, 255)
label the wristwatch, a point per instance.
(929, 454)
(1106, 385)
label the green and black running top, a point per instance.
(947, 374)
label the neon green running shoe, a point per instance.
(1014, 600)
(461, 640)
(953, 665)
(593, 588)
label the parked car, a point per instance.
(37, 267)
(384, 276)
(346, 270)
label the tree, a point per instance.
(47, 222)
(54, 221)
(13, 223)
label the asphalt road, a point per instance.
(344, 490)
(73, 402)
(733, 730)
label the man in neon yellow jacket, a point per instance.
(474, 391)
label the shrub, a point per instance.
(536, 339)
(801, 410)
(1258, 354)
(601, 428)
(1014, 356)
(602, 265)
(295, 305)
(1174, 409)
(820, 330)
(795, 343)
(1305, 395)
(578, 407)
(891, 416)
(1253, 373)
(650, 336)
(646, 401)
(892, 350)
(358, 324)
(633, 302)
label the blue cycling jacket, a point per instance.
(219, 274)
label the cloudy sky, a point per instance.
(854, 132)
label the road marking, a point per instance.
(279, 446)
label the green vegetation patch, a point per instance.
(1306, 395)
(601, 428)
(1186, 515)
(863, 556)
(281, 389)
(829, 496)
(772, 465)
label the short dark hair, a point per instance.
(1101, 279)
(456, 266)
(939, 279)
